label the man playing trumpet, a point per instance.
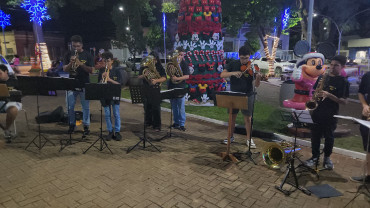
(79, 68)
(111, 75)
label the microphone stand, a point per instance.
(249, 153)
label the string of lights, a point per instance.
(4, 19)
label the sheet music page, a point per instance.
(363, 122)
(304, 116)
(344, 117)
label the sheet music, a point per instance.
(360, 121)
(304, 116)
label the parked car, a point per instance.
(279, 66)
(6, 63)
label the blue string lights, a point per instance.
(4, 19)
(285, 18)
(37, 10)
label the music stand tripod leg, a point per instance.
(227, 155)
(101, 139)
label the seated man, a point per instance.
(11, 108)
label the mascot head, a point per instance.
(312, 64)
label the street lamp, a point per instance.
(128, 18)
(340, 29)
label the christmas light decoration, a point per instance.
(285, 18)
(4, 19)
(37, 10)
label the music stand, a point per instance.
(298, 116)
(172, 94)
(35, 86)
(365, 123)
(98, 91)
(136, 92)
(231, 100)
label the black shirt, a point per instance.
(116, 75)
(364, 87)
(160, 70)
(336, 85)
(185, 71)
(243, 84)
(82, 76)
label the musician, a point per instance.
(112, 75)
(178, 104)
(152, 95)
(11, 108)
(242, 82)
(85, 65)
(364, 97)
(335, 90)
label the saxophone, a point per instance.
(313, 103)
(150, 72)
(173, 69)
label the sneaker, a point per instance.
(311, 162)
(328, 164)
(117, 136)
(109, 136)
(8, 136)
(360, 179)
(253, 145)
(175, 126)
(231, 140)
(182, 128)
(86, 131)
(71, 129)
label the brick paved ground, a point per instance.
(187, 173)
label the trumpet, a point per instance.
(105, 78)
(75, 64)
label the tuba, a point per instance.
(150, 72)
(313, 103)
(276, 154)
(173, 69)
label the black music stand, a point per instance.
(67, 84)
(231, 100)
(102, 92)
(171, 94)
(136, 92)
(298, 116)
(36, 86)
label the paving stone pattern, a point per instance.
(187, 173)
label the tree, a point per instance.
(262, 16)
(154, 39)
(129, 30)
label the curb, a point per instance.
(349, 153)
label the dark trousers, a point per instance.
(365, 136)
(317, 132)
(152, 106)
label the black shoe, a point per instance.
(182, 128)
(71, 129)
(109, 136)
(117, 136)
(86, 131)
(175, 126)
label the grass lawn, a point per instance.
(266, 118)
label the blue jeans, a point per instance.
(178, 108)
(117, 118)
(71, 100)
